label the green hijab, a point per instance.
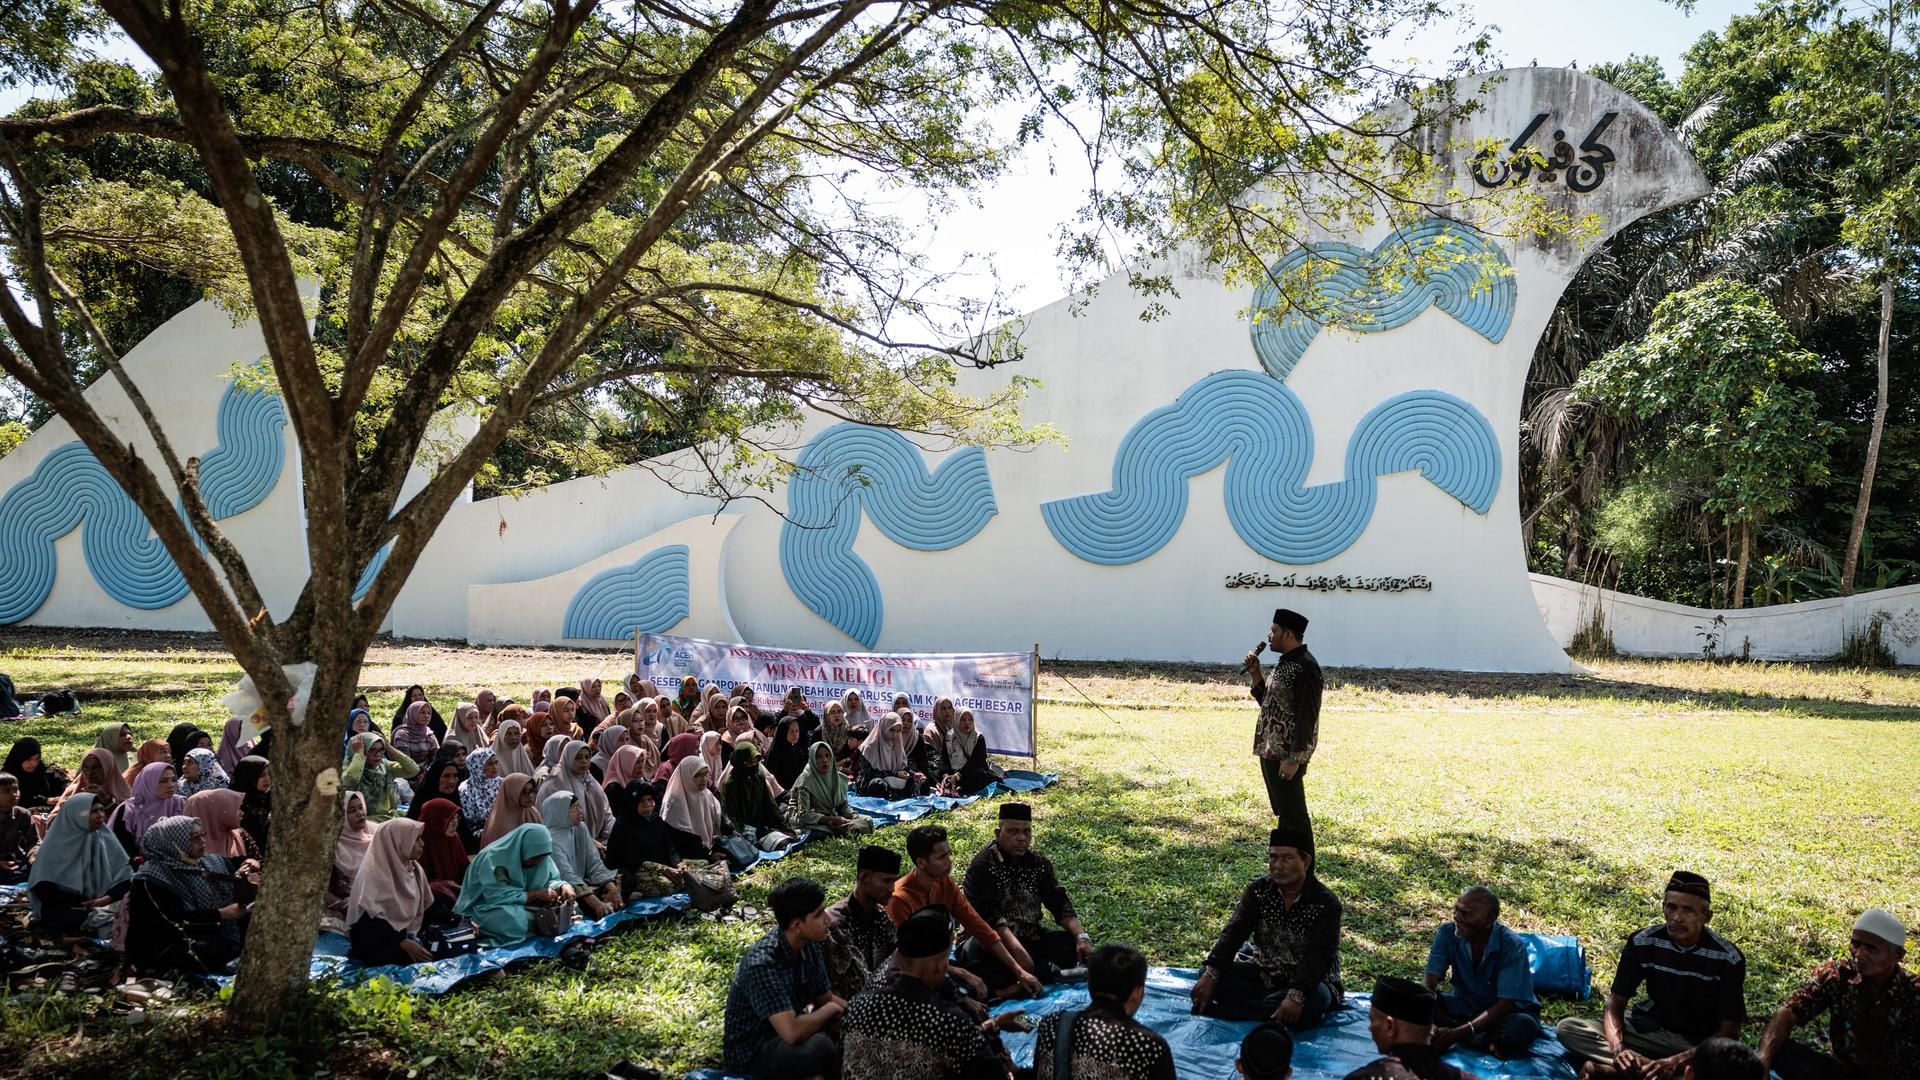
(497, 877)
(828, 789)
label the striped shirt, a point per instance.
(1690, 992)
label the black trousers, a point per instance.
(1288, 798)
(1798, 1061)
(1240, 994)
(1055, 947)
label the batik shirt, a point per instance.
(1410, 1063)
(1107, 1045)
(901, 1029)
(1879, 1037)
(1296, 948)
(860, 940)
(1013, 891)
(1289, 707)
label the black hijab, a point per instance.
(183, 738)
(786, 760)
(38, 787)
(426, 786)
(637, 839)
(256, 808)
(406, 699)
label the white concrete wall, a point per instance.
(1101, 370)
(1808, 630)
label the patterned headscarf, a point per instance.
(212, 776)
(476, 791)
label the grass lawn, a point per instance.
(1791, 787)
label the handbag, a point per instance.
(710, 887)
(552, 920)
(740, 851)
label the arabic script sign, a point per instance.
(1583, 174)
(1331, 583)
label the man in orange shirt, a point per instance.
(931, 882)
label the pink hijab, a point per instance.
(689, 806)
(350, 854)
(218, 810)
(391, 885)
(626, 763)
(146, 806)
(507, 814)
(114, 786)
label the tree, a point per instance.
(534, 203)
(1717, 370)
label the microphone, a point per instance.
(1260, 648)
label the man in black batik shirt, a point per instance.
(1292, 974)
(1009, 884)
(908, 1026)
(860, 936)
(1289, 726)
(1104, 1041)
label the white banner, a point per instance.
(998, 687)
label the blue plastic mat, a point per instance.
(438, 977)
(1205, 1048)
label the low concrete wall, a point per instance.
(1812, 630)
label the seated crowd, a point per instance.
(506, 821)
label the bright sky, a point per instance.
(1013, 230)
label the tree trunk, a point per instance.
(1857, 535)
(1740, 574)
(272, 977)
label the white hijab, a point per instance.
(689, 806)
(884, 752)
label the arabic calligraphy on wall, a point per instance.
(1550, 159)
(1331, 583)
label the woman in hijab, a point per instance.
(79, 872)
(182, 738)
(414, 693)
(441, 781)
(150, 751)
(644, 722)
(967, 755)
(550, 753)
(678, 749)
(479, 789)
(512, 807)
(232, 749)
(748, 804)
(202, 772)
(539, 728)
(413, 737)
(886, 765)
(818, 798)
(117, 740)
(835, 732)
(39, 785)
(372, 769)
(672, 720)
(98, 776)
(359, 721)
(574, 776)
(153, 798)
(446, 857)
(219, 813)
(577, 858)
(507, 880)
(714, 752)
(611, 738)
(689, 695)
(642, 848)
(253, 778)
(739, 727)
(390, 898)
(859, 724)
(181, 912)
(469, 730)
(787, 758)
(509, 743)
(349, 855)
(692, 812)
(592, 703)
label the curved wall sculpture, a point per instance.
(649, 595)
(1261, 430)
(70, 489)
(1464, 275)
(848, 467)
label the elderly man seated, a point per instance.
(1492, 1006)
(1401, 1023)
(1872, 1007)
(1293, 973)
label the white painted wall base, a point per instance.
(1809, 630)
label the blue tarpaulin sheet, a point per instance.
(1205, 1048)
(440, 976)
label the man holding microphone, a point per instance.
(1289, 724)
